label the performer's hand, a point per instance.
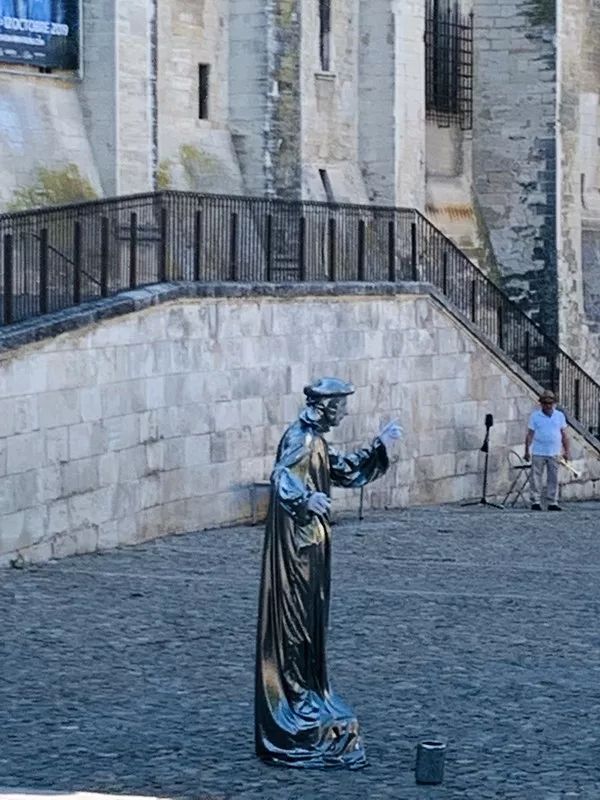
(390, 433)
(318, 503)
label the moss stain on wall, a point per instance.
(195, 163)
(53, 187)
(163, 175)
(541, 12)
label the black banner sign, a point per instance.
(44, 33)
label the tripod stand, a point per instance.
(485, 448)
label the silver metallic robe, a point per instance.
(299, 720)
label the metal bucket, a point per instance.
(429, 767)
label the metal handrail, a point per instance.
(511, 303)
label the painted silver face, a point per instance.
(336, 410)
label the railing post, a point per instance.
(500, 317)
(331, 248)
(392, 251)
(527, 352)
(197, 243)
(77, 263)
(473, 300)
(43, 299)
(133, 241)
(445, 272)
(413, 252)
(302, 249)
(8, 278)
(577, 398)
(269, 246)
(162, 257)
(233, 247)
(361, 250)
(104, 251)
(553, 372)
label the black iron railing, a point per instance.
(55, 258)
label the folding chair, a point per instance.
(522, 468)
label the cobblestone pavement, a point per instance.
(132, 672)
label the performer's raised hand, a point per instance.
(318, 503)
(390, 433)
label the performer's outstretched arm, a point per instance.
(352, 470)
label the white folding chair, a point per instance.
(522, 468)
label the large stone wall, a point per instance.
(376, 76)
(98, 91)
(101, 120)
(391, 102)
(329, 105)
(41, 125)
(250, 93)
(135, 108)
(578, 288)
(129, 121)
(195, 154)
(159, 421)
(514, 147)
(409, 102)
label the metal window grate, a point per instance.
(449, 64)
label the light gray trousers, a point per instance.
(538, 465)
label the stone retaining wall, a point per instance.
(158, 421)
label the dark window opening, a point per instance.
(203, 87)
(325, 34)
(45, 70)
(448, 64)
(327, 185)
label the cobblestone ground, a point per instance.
(132, 672)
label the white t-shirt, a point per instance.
(547, 440)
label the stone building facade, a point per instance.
(578, 181)
(328, 101)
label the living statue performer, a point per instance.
(299, 720)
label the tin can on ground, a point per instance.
(429, 766)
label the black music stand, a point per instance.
(485, 448)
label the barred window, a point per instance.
(448, 64)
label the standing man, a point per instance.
(547, 432)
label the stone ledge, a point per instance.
(49, 325)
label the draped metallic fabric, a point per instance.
(299, 720)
